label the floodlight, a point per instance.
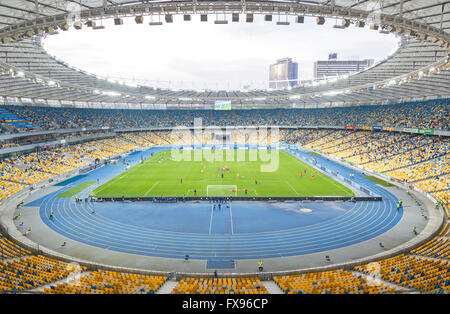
(28, 33)
(15, 36)
(320, 20)
(139, 19)
(64, 27)
(300, 19)
(346, 23)
(391, 28)
(78, 25)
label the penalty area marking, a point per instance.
(291, 187)
(154, 184)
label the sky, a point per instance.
(203, 55)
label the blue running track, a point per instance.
(243, 230)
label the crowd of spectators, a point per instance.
(432, 114)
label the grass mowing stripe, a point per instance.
(77, 189)
(197, 175)
(379, 181)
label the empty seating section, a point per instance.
(432, 114)
(420, 273)
(26, 273)
(303, 136)
(137, 138)
(15, 121)
(437, 168)
(376, 146)
(8, 145)
(408, 154)
(341, 140)
(330, 282)
(439, 247)
(7, 189)
(444, 196)
(421, 160)
(21, 174)
(17, 172)
(108, 282)
(240, 285)
(436, 184)
(50, 162)
(9, 249)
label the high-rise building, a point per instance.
(334, 67)
(283, 74)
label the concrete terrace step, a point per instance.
(167, 287)
(272, 287)
(374, 279)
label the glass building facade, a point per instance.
(283, 74)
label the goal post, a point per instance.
(221, 191)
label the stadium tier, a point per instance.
(419, 159)
(432, 114)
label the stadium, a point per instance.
(335, 186)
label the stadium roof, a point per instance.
(419, 69)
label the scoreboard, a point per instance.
(222, 105)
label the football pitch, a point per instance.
(162, 176)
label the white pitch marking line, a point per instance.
(291, 187)
(154, 184)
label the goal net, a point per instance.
(221, 190)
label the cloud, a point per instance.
(205, 54)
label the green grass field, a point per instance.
(77, 189)
(160, 176)
(379, 181)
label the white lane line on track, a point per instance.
(167, 253)
(141, 251)
(231, 220)
(372, 205)
(210, 220)
(114, 226)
